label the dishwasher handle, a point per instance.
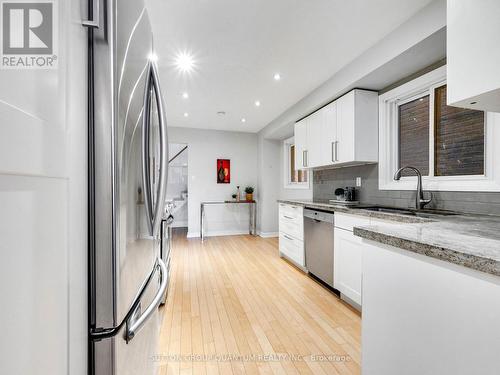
(319, 216)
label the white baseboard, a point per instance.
(179, 224)
(217, 233)
(268, 234)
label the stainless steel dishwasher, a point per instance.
(318, 242)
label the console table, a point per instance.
(252, 211)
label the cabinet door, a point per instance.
(314, 139)
(300, 144)
(347, 264)
(473, 54)
(329, 134)
(345, 127)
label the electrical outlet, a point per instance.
(358, 181)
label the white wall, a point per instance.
(205, 147)
(43, 200)
(269, 180)
(272, 185)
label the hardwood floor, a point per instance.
(233, 301)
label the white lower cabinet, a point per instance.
(291, 233)
(347, 264)
(424, 316)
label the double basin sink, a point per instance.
(425, 213)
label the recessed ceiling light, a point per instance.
(277, 76)
(221, 113)
(185, 95)
(184, 62)
(153, 57)
(257, 103)
(243, 120)
(186, 114)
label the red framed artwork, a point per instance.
(223, 171)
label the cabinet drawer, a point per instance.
(291, 210)
(293, 228)
(348, 222)
(292, 248)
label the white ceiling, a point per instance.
(239, 45)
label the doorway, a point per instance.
(177, 186)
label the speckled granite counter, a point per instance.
(472, 241)
(331, 207)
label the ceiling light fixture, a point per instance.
(153, 57)
(257, 103)
(277, 76)
(184, 62)
(185, 95)
(186, 114)
(243, 120)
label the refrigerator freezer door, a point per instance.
(122, 257)
(135, 255)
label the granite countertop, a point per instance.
(471, 241)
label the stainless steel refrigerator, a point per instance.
(128, 166)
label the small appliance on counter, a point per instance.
(346, 196)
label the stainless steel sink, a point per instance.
(407, 211)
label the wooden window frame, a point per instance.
(389, 103)
(287, 143)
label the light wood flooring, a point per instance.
(236, 307)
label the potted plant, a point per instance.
(249, 192)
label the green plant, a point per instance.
(249, 190)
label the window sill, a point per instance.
(297, 186)
(455, 183)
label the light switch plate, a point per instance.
(358, 181)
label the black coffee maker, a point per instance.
(350, 194)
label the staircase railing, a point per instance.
(176, 155)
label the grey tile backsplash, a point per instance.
(326, 181)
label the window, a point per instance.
(294, 178)
(413, 118)
(458, 138)
(452, 147)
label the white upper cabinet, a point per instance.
(315, 127)
(301, 144)
(328, 143)
(473, 54)
(344, 132)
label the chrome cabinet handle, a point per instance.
(163, 177)
(288, 238)
(306, 158)
(333, 152)
(303, 158)
(94, 22)
(288, 217)
(146, 177)
(136, 325)
(336, 150)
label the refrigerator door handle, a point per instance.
(163, 177)
(99, 334)
(134, 325)
(146, 177)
